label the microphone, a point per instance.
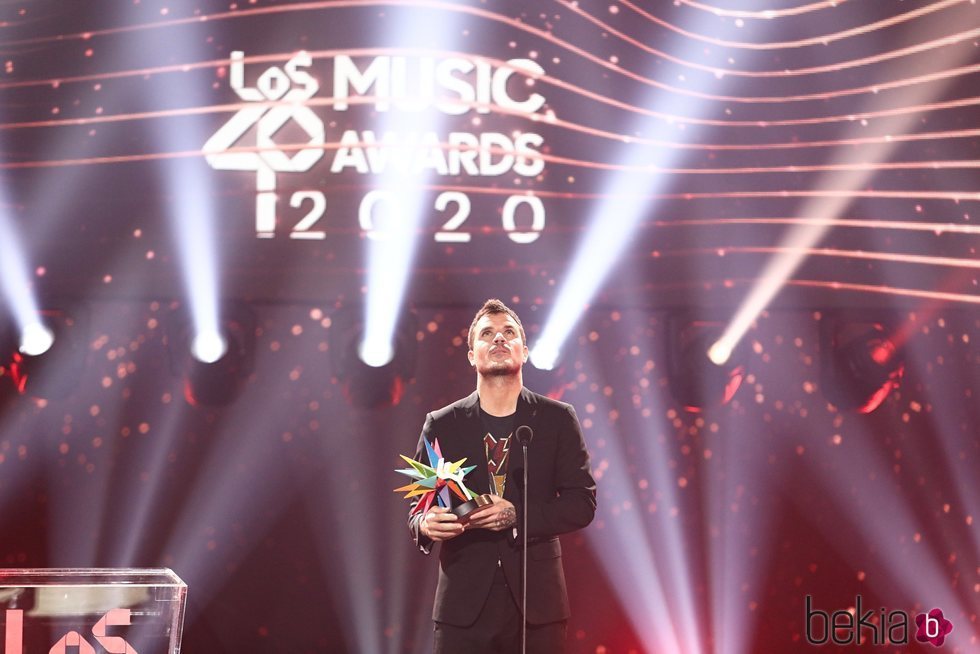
(524, 434)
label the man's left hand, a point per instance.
(496, 517)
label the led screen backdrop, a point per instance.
(709, 133)
(630, 175)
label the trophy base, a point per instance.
(466, 510)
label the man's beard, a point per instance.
(509, 370)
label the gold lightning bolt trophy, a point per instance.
(441, 481)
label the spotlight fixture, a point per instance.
(861, 363)
(49, 354)
(214, 366)
(368, 386)
(695, 379)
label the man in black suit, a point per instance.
(477, 606)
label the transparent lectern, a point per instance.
(91, 611)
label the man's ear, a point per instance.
(527, 352)
(471, 357)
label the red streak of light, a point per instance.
(824, 39)
(769, 13)
(624, 138)
(956, 196)
(942, 296)
(190, 111)
(546, 36)
(938, 228)
(938, 296)
(783, 193)
(902, 165)
(904, 332)
(895, 257)
(882, 393)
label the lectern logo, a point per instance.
(14, 635)
(288, 86)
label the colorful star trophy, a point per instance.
(439, 481)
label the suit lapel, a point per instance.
(527, 414)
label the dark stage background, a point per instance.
(682, 156)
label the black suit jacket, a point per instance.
(561, 498)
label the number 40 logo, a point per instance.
(291, 84)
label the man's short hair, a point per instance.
(493, 305)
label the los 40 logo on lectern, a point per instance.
(14, 635)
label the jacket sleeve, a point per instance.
(574, 505)
(423, 542)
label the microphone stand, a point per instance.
(524, 435)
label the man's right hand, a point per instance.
(439, 524)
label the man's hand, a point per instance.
(496, 517)
(439, 524)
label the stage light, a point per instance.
(369, 385)
(191, 212)
(861, 363)
(627, 201)
(198, 259)
(15, 283)
(831, 198)
(35, 339)
(392, 214)
(609, 232)
(392, 222)
(544, 357)
(701, 374)
(544, 371)
(376, 352)
(49, 357)
(209, 346)
(214, 365)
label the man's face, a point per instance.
(498, 348)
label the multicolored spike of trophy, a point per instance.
(439, 482)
